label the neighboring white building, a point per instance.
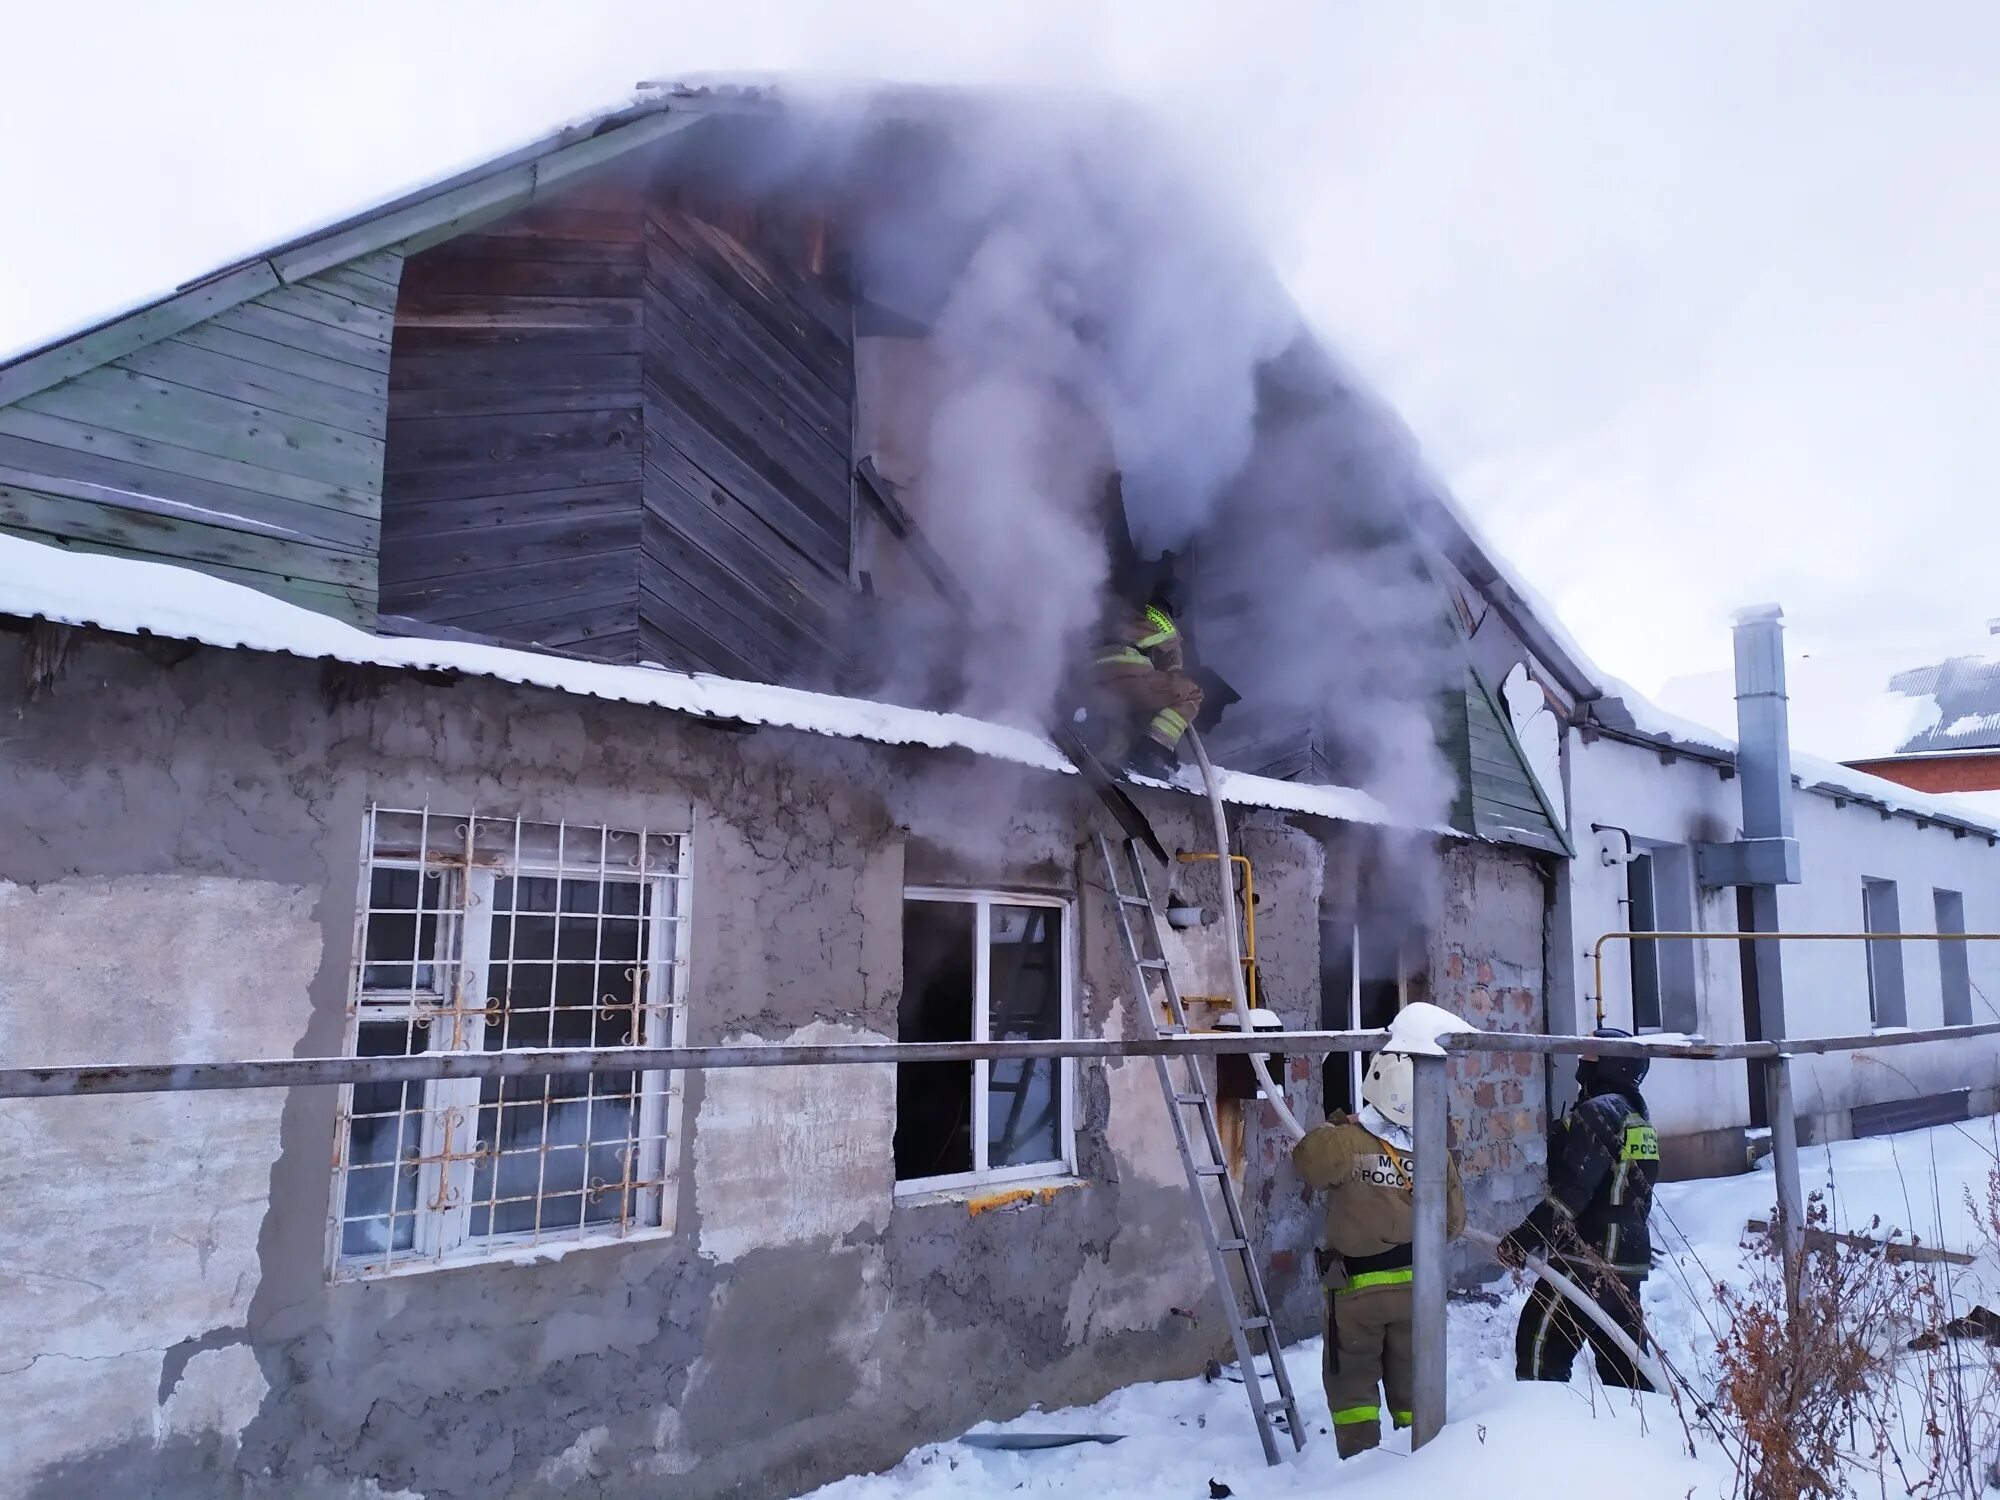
(1646, 788)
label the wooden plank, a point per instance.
(249, 348)
(488, 244)
(449, 310)
(444, 441)
(562, 223)
(809, 533)
(40, 369)
(364, 290)
(384, 266)
(526, 368)
(260, 320)
(356, 606)
(746, 547)
(149, 534)
(316, 303)
(677, 295)
(61, 432)
(542, 342)
(56, 469)
(261, 515)
(687, 615)
(181, 363)
(680, 642)
(522, 401)
(665, 460)
(829, 358)
(466, 481)
(441, 274)
(821, 338)
(420, 557)
(1908, 1251)
(748, 418)
(673, 569)
(561, 623)
(145, 407)
(473, 512)
(582, 580)
(800, 506)
(502, 190)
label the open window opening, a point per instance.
(983, 967)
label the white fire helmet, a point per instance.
(1391, 1086)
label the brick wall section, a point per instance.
(1944, 773)
(1486, 964)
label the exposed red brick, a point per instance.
(1484, 973)
(1454, 966)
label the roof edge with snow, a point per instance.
(128, 596)
(1625, 713)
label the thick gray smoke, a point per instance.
(1062, 304)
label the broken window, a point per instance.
(495, 934)
(983, 968)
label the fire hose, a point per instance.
(1581, 1300)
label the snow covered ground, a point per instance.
(1504, 1440)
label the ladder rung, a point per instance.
(1209, 1169)
(1190, 1098)
(1153, 963)
(1278, 1407)
(1135, 901)
(1249, 1323)
(1169, 1028)
(1231, 1246)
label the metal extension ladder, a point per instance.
(1202, 1155)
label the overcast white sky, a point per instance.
(1693, 305)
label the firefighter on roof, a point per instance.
(1364, 1164)
(1140, 664)
(1604, 1160)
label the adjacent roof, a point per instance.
(1625, 713)
(1869, 705)
(133, 597)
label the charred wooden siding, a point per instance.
(749, 409)
(617, 429)
(248, 445)
(512, 491)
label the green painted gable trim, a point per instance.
(237, 427)
(1500, 797)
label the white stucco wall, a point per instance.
(1826, 984)
(133, 1221)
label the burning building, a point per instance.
(497, 621)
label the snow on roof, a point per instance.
(1871, 704)
(132, 597)
(1649, 721)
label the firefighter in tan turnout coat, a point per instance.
(1364, 1164)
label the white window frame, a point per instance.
(983, 901)
(461, 958)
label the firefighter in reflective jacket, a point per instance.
(1140, 664)
(1604, 1160)
(1364, 1165)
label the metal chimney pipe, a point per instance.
(1763, 723)
(1764, 770)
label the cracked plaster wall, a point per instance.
(191, 836)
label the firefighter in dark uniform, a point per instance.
(1604, 1160)
(1140, 667)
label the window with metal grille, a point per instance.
(983, 967)
(483, 933)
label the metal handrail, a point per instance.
(1597, 948)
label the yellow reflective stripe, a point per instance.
(1145, 642)
(1124, 656)
(1354, 1416)
(1159, 618)
(1172, 721)
(1402, 1418)
(1381, 1278)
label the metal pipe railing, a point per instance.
(62, 1080)
(1597, 948)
